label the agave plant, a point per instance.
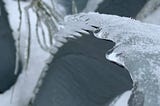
(136, 43)
(131, 46)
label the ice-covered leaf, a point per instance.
(137, 48)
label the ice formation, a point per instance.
(137, 48)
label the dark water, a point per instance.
(7, 52)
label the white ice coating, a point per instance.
(137, 47)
